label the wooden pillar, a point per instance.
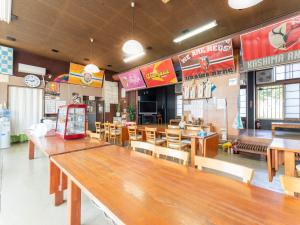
(74, 203)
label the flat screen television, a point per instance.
(147, 107)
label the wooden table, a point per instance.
(134, 188)
(53, 145)
(282, 151)
(284, 125)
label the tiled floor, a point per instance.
(24, 189)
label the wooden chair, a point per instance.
(133, 134)
(114, 133)
(151, 136)
(99, 130)
(290, 185)
(106, 131)
(173, 127)
(159, 118)
(245, 173)
(177, 154)
(174, 140)
(143, 145)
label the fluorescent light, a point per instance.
(5, 10)
(243, 4)
(196, 31)
(133, 57)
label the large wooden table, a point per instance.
(284, 125)
(53, 145)
(282, 151)
(204, 146)
(134, 188)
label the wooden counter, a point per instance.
(134, 188)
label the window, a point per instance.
(290, 71)
(243, 102)
(292, 101)
(179, 105)
(270, 102)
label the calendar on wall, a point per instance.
(6, 60)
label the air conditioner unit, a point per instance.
(28, 69)
(178, 88)
(264, 76)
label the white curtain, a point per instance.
(26, 106)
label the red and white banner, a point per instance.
(210, 60)
(272, 45)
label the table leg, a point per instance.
(31, 149)
(74, 203)
(289, 163)
(194, 145)
(56, 184)
(271, 161)
(273, 130)
(64, 181)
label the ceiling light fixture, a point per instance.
(133, 47)
(5, 10)
(133, 57)
(91, 68)
(196, 31)
(243, 4)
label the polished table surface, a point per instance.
(54, 145)
(285, 144)
(135, 188)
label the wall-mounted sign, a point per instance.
(132, 80)
(78, 75)
(52, 88)
(210, 60)
(32, 81)
(6, 60)
(159, 73)
(272, 45)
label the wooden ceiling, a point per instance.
(66, 25)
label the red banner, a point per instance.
(272, 45)
(159, 74)
(210, 60)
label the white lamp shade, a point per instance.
(91, 68)
(242, 4)
(132, 47)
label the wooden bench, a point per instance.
(284, 125)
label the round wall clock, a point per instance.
(32, 81)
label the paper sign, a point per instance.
(232, 81)
(132, 80)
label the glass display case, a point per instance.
(71, 121)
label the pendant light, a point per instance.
(132, 47)
(91, 68)
(243, 4)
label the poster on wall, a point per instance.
(272, 45)
(6, 60)
(132, 80)
(77, 75)
(210, 60)
(159, 73)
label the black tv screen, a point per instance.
(147, 107)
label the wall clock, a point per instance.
(32, 81)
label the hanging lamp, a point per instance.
(243, 4)
(91, 68)
(132, 47)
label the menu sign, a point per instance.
(210, 60)
(272, 45)
(159, 73)
(132, 80)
